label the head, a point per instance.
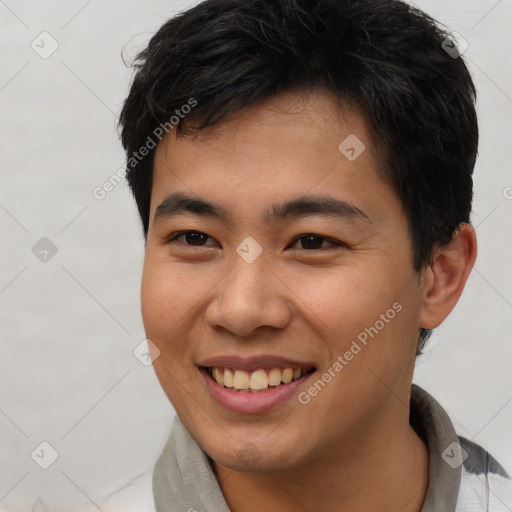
(237, 108)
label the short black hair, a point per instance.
(384, 56)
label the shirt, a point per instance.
(463, 477)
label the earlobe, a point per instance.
(444, 281)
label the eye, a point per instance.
(309, 241)
(193, 238)
(313, 241)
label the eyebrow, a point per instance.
(178, 203)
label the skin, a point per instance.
(351, 447)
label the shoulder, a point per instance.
(485, 485)
(134, 496)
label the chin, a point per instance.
(254, 456)
(260, 464)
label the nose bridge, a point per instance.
(247, 282)
(249, 296)
(250, 267)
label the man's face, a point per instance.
(252, 294)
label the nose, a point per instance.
(250, 296)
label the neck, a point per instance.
(387, 471)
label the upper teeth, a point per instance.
(256, 380)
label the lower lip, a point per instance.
(252, 402)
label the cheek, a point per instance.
(164, 306)
(348, 299)
(374, 307)
(173, 297)
(165, 301)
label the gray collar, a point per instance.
(432, 423)
(184, 481)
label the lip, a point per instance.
(250, 364)
(252, 403)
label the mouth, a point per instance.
(256, 381)
(254, 384)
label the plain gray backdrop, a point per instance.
(71, 263)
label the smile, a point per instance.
(256, 384)
(258, 380)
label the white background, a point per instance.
(68, 327)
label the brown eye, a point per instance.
(312, 241)
(309, 241)
(193, 238)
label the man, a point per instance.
(303, 172)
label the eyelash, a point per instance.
(175, 236)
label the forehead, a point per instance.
(287, 145)
(305, 119)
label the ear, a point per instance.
(444, 280)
